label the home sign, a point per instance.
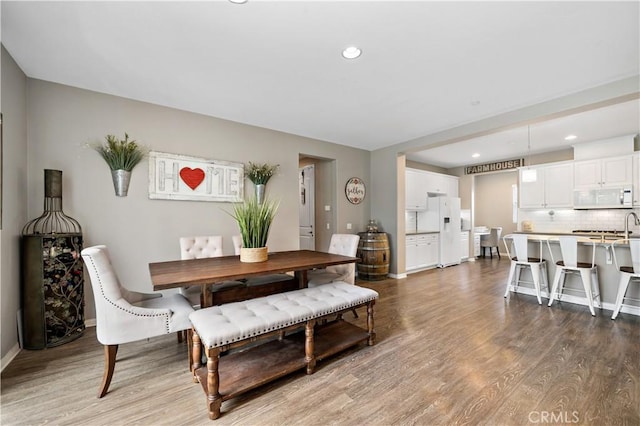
(179, 177)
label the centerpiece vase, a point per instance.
(254, 255)
(121, 179)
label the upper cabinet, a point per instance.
(420, 183)
(603, 172)
(415, 192)
(552, 188)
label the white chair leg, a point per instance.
(596, 287)
(516, 280)
(556, 281)
(623, 284)
(512, 271)
(545, 277)
(535, 273)
(585, 274)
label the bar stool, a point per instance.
(627, 273)
(538, 266)
(570, 265)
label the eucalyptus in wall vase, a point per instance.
(260, 174)
(122, 155)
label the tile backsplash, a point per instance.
(567, 220)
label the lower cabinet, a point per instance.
(421, 251)
(476, 245)
(464, 245)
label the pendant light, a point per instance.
(529, 174)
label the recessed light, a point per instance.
(351, 52)
(475, 155)
(238, 1)
(570, 138)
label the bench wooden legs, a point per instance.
(370, 330)
(196, 354)
(212, 386)
(214, 400)
(309, 356)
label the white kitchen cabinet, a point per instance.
(636, 179)
(603, 172)
(421, 251)
(476, 245)
(420, 182)
(437, 183)
(415, 190)
(464, 244)
(453, 185)
(553, 187)
(432, 249)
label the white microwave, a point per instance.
(603, 198)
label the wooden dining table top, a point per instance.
(183, 273)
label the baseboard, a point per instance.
(13, 352)
(398, 276)
(577, 300)
(90, 322)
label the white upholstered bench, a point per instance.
(224, 327)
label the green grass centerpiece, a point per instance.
(254, 220)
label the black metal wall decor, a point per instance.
(52, 289)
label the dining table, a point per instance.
(214, 271)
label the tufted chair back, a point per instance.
(237, 244)
(346, 245)
(200, 247)
(124, 316)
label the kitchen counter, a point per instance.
(422, 232)
(603, 238)
(607, 273)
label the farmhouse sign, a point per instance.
(494, 167)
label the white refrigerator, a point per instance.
(443, 216)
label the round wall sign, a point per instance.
(355, 190)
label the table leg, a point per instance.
(301, 277)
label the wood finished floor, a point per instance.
(450, 350)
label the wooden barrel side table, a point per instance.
(374, 254)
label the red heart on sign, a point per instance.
(192, 177)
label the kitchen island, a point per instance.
(607, 273)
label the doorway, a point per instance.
(307, 209)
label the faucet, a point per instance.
(626, 223)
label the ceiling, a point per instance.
(603, 123)
(426, 66)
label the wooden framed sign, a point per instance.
(179, 177)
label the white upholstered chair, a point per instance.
(519, 255)
(491, 240)
(198, 248)
(262, 279)
(569, 264)
(346, 245)
(627, 273)
(124, 316)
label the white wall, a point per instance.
(14, 196)
(493, 201)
